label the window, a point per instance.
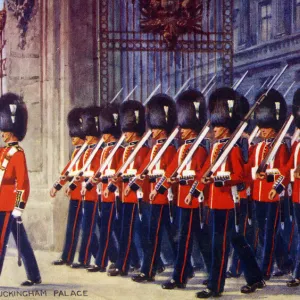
(265, 21)
(297, 14)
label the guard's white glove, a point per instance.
(17, 212)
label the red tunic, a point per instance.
(134, 166)
(113, 165)
(162, 165)
(194, 166)
(75, 194)
(14, 189)
(221, 197)
(261, 188)
(289, 167)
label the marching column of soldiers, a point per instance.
(181, 172)
(227, 194)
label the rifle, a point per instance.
(236, 84)
(130, 93)
(19, 222)
(100, 171)
(208, 84)
(251, 87)
(253, 135)
(72, 164)
(73, 185)
(151, 95)
(182, 88)
(116, 96)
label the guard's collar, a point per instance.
(189, 141)
(161, 141)
(110, 144)
(78, 146)
(133, 143)
(12, 144)
(223, 140)
(270, 140)
(91, 146)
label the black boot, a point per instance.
(293, 282)
(79, 266)
(141, 278)
(172, 284)
(30, 282)
(96, 269)
(207, 293)
(248, 289)
(59, 262)
(116, 272)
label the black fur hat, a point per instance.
(90, 121)
(191, 110)
(132, 117)
(296, 107)
(109, 119)
(227, 108)
(271, 113)
(75, 122)
(13, 115)
(161, 113)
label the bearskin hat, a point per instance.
(191, 110)
(271, 113)
(75, 122)
(109, 119)
(227, 108)
(13, 115)
(296, 108)
(132, 117)
(161, 113)
(90, 121)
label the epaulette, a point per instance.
(19, 148)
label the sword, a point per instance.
(236, 200)
(264, 82)
(272, 80)
(289, 88)
(291, 211)
(170, 201)
(279, 86)
(209, 89)
(208, 84)
(237, 84)
(249, 205)
(252, 86)
(281, 203)
(19, 222)
(140, 196)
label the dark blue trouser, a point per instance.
(89, 242)
(247, 231)
(296, 273)
(223, 232)
(27, 255)
(73, 229)
(106, 242)
(128, 218)
(267, 219)
(159, 216)
(189, 228)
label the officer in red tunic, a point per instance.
(269, 117)
(161, 119)
(226, 110)
(75, 206)
(291, 173)
(89, 242)
(14, 184)
(132, 119)
(110, 128)
(191, 118)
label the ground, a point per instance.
(60, 281)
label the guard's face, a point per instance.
(185, 133)
(6, 136)
(76, 140)
(129, 136)
(220, 132)
(156, 133)
(267, 133)
(107, 137)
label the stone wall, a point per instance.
(55, 71)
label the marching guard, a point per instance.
(227, 108)
(75, 205)
(161, 119)
(14, 185)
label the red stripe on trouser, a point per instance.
(186, 246)
(3, 233)
(223, 251)
(291, 237)
(90, 236)
(108, 234)
(273, 242)
(245, 227)
(73, 231)
(130, 238)
(156, 240)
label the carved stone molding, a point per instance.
(23, 10)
